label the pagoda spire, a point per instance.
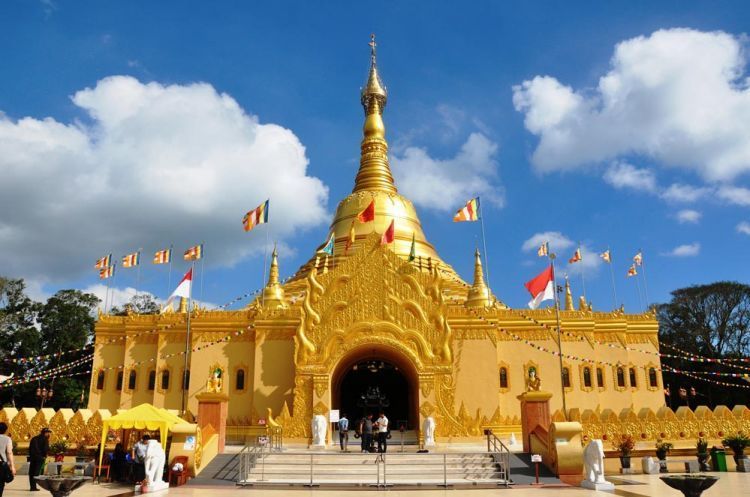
(479, 294)
(273, 294)
(568, 296)
(374, 171)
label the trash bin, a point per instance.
(718, 459)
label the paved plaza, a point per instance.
(729, 485)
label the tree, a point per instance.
(143, 303)
(20, 337)
(711, 321)
(67, 323)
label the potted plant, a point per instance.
(58, 449)
(81, 453)
(737, 443)
(624, 444)
(662, 449)
(701, 449)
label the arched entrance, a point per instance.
(371, 378)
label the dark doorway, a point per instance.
(371, 385)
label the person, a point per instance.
(38, 450)
(6, 456)
(138, 455)
(343, 432)
(382, 424)
(119, 464)
(367, 433)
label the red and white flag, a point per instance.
(390, 234)
(542, 287)
(183, 289)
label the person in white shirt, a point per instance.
(7, 464)
(382, 423)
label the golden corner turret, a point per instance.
(273, 294)
(479, 294)
(568, 296)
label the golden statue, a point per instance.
(214, 383)
(533, 382)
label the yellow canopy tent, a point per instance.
(142, 417)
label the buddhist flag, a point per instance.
(390, 234)
(257, 216)
(632, 271)
(131, 260)
(638, 258)
(328, 247)
(163, 256)
(194, 253)
(350, 239)
(183, 289)
(469, 212)
(107, 272)
(576, 256)
(606, 257)
(368, 214)
(542, 287)
(413, 251)
(104, 262)
(543, 250)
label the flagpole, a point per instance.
(640, 297)
(559, 335)
(138, 271)
(187, 338)
(583, 279)
(203, 266)
(484, 244)
(114, 275)
(106, 294)
(645, 282)
(169, 278)
(612, 273)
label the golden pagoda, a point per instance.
(368, 328)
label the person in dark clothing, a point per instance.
(38, 449)
(367, 434)
(119, 464)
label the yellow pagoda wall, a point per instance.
(477, 381)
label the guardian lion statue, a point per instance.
(154, 462)
(593, 467)
(319, 427)
(428, 427)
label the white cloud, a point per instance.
(743, 227)
(735, 195)
(676, 96)
(556, 240)
(117, 296)
(624, 175)
(564, 248)
(687, 250)
(688, 216)
(446, 184)
(154, 165)
(679, 192)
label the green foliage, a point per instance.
(737, 442)
(143, 303)
(711, 321)
(701, 446)
(662, 449)
(27, 328)
(59, 447)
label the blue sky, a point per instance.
(132, 124)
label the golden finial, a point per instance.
(568, 296)
(183, 305)
(273, 294)
(374, 171)
(479, 294)
(325, 265)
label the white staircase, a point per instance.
(357, 469)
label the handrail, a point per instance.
(251, 452)
(313, 469)
(502, 454)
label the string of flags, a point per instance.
(46, 376)
(49, 372)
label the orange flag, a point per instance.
(368, 214)
(390, 234)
